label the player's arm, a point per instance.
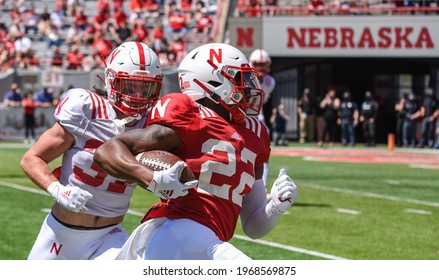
(117, 156)
(52, 144)
(35, 163)
(259, 217)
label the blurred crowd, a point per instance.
(76, 38)
(258, 8)
(340, 119)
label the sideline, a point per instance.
(237, 236)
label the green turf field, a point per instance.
(361, 211)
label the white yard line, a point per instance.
(372, 195)
(418, 211)
(348, 211)
(289, 248)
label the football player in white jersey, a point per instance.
(261, 61)
(210, 126)
(85, 221)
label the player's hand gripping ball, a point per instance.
(172, 176)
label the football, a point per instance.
(161, 160)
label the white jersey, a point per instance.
(89, 118)
(268, 83)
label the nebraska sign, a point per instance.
(351, 36)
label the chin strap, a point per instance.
(119, 124)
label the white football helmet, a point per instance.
(133, 78)
(261, 61)
(223, 74)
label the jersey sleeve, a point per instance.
(69, 111)
(258, 139)
(178, 111)
(77, 110)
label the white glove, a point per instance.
(283, 193)
(166, 183)
(72, 198)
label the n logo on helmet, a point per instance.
(218, 54)
(113, 55)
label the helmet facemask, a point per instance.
(245, 94)
(133, 78)
(133, 94)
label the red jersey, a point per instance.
(223, 157)
(28, 106)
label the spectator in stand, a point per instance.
(158, 33)
(57, 63)
(3, 30)
(45, 98)
(29, 61)
(271, 7)
(23, 48)
(177, 23)
(102, 18)
(161, 48)
(61, 5)
(75, 34)
(13, 97)
(73, 6)
(199, 6)
(204, 23)
(103, 5)
(177, 50)
(117, 4)
(44, 21)
(74, 58)
(6, 53)
(170, 8)
(152, 8)
(136, 6)
(186, 9)
(22, 43)
(120, 17)
(92, 61)
(254, 8)
(102, 45)
(81, 19)
(121, 33)
(140, 31)
(316, 7)
(57, 17)
(15, 13)
(30, 19)
(91, 32)
(53, 37)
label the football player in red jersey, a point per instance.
(85, 221)
(213, 127)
